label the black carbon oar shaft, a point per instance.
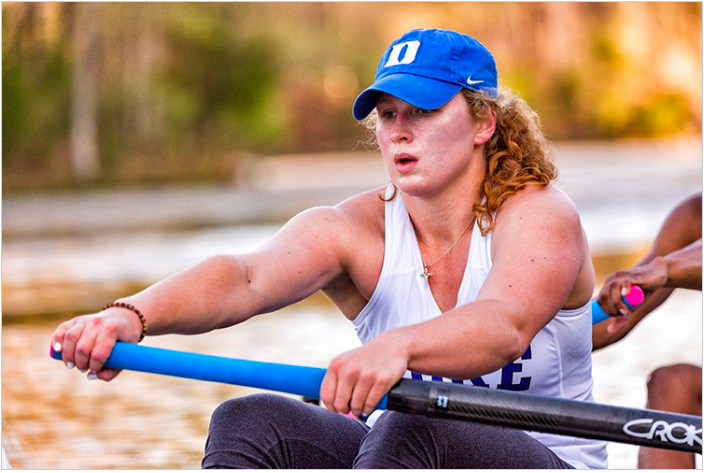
(551, 415)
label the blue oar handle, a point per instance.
(300, 380)
(632, 300)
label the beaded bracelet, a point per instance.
(131, 307)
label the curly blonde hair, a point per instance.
(517, 154)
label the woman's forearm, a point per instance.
(210, 295)
(472, 345)
(684, 267)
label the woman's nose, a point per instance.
(401, 130)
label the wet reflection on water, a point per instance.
(55, 418)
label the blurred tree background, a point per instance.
(104, 94)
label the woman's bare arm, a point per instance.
(307, 253)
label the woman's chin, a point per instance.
(413, 186)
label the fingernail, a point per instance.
(92, 376)
(69, 365)
(82, 371)
(624, 291)
(624, 311)
(57, 347)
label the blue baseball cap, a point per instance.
(427, 67)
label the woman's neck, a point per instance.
(440, 219)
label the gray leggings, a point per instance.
(269, 431)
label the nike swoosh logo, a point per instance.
(473, 82)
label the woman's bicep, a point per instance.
(302, 258)
(538, 252)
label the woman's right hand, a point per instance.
(86, 341)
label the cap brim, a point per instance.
(421, 92)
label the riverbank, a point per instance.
(618, 180)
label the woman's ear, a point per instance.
(486, 128)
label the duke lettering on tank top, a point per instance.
(557, 363)
(507, 376)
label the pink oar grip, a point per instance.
(635, 297)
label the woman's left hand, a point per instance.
(357, 379)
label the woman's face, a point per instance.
(427, 150)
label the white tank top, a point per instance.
(557, 363)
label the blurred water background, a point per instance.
(140, 139)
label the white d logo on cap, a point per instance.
(409, 55)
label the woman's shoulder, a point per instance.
(536, 200)
(360, 209)
(356, 220)
(366, 209)
(540, 211)
(359, 217)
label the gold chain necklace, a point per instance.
(426, 274)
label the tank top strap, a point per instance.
(401, 248)
(477, 267)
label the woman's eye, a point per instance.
(424, 111)
(386, 114)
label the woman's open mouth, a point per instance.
(404, 163)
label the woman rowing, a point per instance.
(471, 267)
